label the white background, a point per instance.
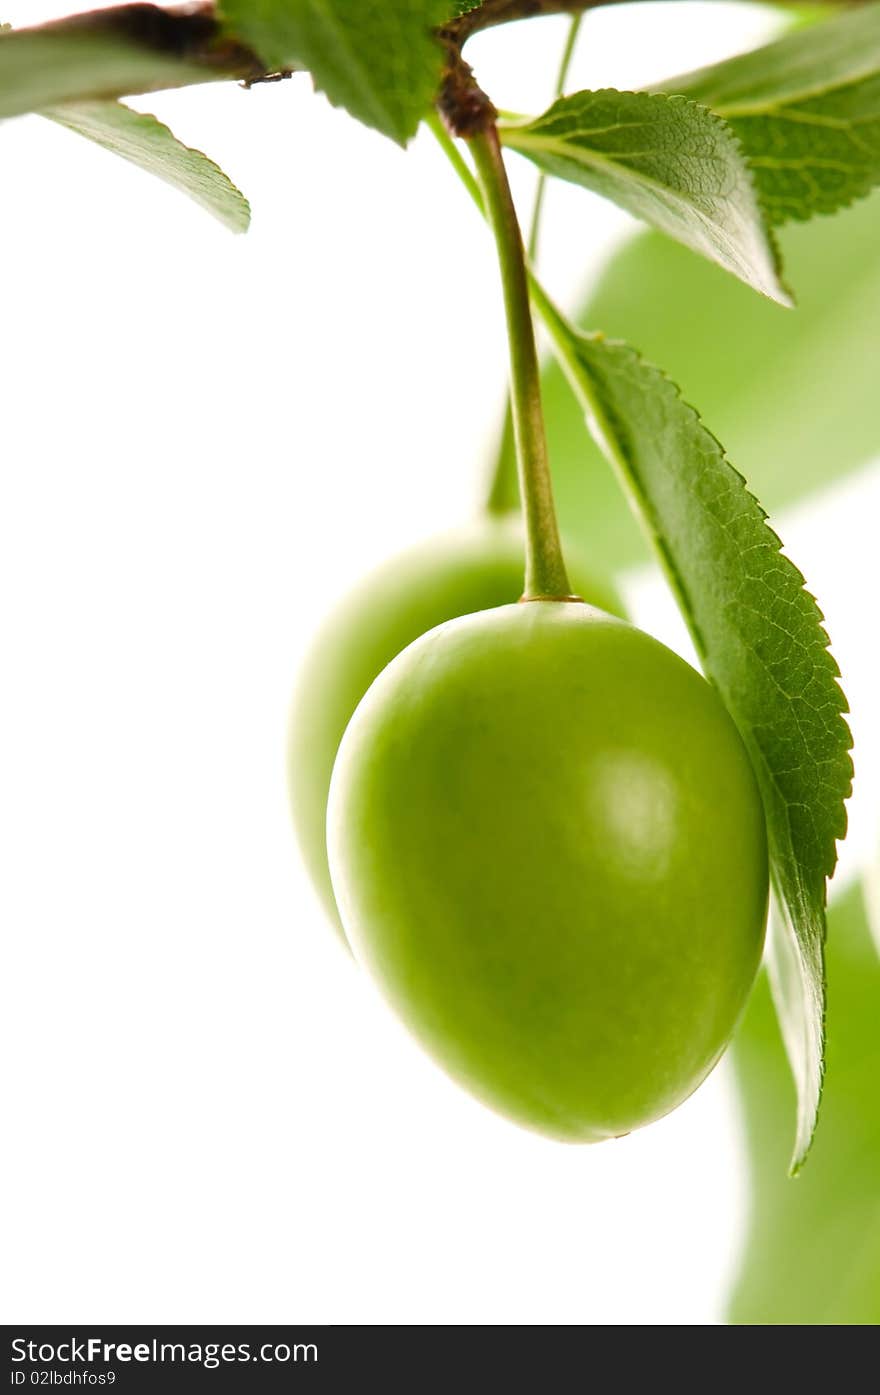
(206, 440)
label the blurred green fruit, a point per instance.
(548, 847)
(474, 569)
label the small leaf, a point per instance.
(666, 160)
(380, 61)
(146, 142)
(812, 1247)
(69, 61)
(807, 111)
(760, 640)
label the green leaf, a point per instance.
(793, 397)
(807, 111)
(812, 1253)
(380, 61)
(147, 143)
(760, 640)
(669, 162)
(68, 61)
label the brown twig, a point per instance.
(494, 12)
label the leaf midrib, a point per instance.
(576, 154)
(768, 106)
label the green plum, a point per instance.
(473, 569)
(548, 847)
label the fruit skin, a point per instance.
(549, 849)
(473, 569)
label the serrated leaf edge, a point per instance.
(57, 116)
(524, 124)
(807, 1118)
(833, 669)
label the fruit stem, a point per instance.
(546, 576)
(554, 320)
(558, 89)
(501, 496)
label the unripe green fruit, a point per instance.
(474, 569)
(549, 849)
